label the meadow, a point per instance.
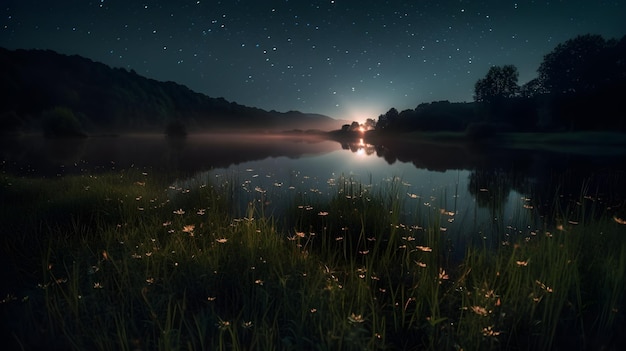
(124, 260)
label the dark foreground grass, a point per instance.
(124, 262)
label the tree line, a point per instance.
(580, 85)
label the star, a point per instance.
(254, 53)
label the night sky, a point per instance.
(347, 59)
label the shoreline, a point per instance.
(587, 142)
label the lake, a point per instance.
(474, 193)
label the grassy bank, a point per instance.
(123, 261)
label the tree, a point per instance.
(576, 66)
(388, 120)
(532, 88)
(500, 82)
(586, 79)
(370, 124)
(355, 126)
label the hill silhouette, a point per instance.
(45, 89)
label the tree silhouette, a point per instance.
(575, 66)
(370, 123)
(500, 82)
(532, 88)
(388, 120)
(355, 126)
(586, 80)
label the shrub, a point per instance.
(61, 122)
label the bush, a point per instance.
(61, 122)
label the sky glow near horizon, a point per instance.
(346, 59)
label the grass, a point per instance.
(124, 261)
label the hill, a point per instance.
(37, 85)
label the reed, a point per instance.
(127, 261)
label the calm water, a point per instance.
(473, 192)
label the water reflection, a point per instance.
(360, 147)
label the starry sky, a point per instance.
(347, 59)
